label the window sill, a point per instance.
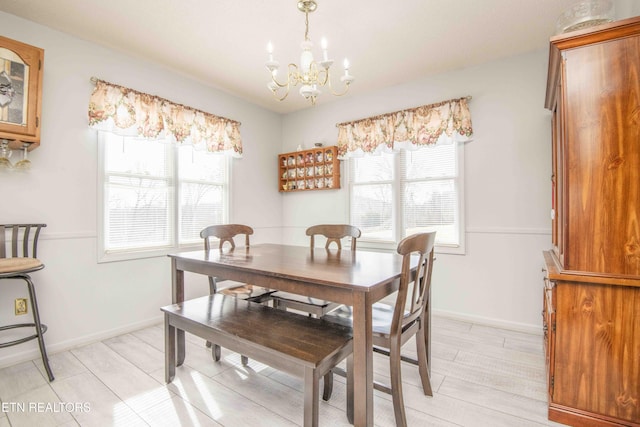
(386, 246)
(130, 255)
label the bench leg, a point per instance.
(327, 386)
(169, 350)
(215, 351)
(311, 398)
(181, 345)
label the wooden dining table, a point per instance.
(354, 278)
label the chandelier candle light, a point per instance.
(310, 74)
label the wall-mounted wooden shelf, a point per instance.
(316, 169)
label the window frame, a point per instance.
(397, 219)
(104, 255)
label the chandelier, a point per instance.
(310, 74)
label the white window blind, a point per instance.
(372, 207)
(430, 192)
(203, 192)
(156, 196)
(395, 195)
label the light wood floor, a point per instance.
(481, 376)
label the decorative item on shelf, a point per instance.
(24, 164)
(328, 155)
(311, 75)
(5, 154)
(328, 182)
(318, 144)
(585, 14)
(21, 165)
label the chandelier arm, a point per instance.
(312, 75)
(283, 97)
(292, 76)
(326, 77)
(334, 93)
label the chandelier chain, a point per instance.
(306, 25)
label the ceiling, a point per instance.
(222, 43)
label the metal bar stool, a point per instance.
(16, 265)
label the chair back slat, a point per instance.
(225, 233)
(334, 233)
(421, 244)
(3, 251)
(19, 239)
(14, 240)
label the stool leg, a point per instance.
(39, 332)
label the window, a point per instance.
(155, 197)
(394, 195)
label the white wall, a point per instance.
(507, 172)
(79, 299)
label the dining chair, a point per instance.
(394, 326)
(17, 262)
(334, 233)
(225, 234)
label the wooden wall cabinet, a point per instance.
(591, 302)
(21, 70)
(316, 169)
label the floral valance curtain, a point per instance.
(410, 129)
(128, 112)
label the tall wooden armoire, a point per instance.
(591, 315)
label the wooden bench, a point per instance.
(303, 346)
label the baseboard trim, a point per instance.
(34, 353)
(488, 321)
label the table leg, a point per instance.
(362, 360)
(177, 295)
